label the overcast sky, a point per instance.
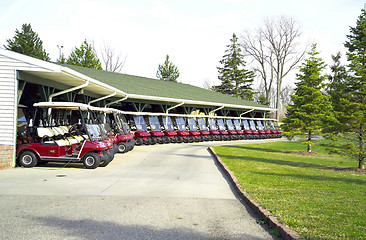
(193, 32)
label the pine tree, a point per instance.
(27, 42)
(310, 106)
(167, 71)
(350, 132)
(235, 79)
(84, 56)
(336, 87)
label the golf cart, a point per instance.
(204, 130)
(193, 131)
(142, 136)
(169, 130)
(238, 129)
(182, 132)
(261, 132)
(222, 129)
(247, 130)
(231, 130)
(214, 130)
(155, 131)
(253, 127)
(58, 132)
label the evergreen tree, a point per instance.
(235, 79)
(27, 42)
(337, 80)
(310, 106)
(350, 132)
(84, 56)
(167, 71)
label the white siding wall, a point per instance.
(8, 88)
(8, 96)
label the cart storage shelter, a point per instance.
(25, 80)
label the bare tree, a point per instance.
(113, 62)
(207, 84)
(285, 100)
(274, 49)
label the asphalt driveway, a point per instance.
(170, 191)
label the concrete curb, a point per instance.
(285, 232)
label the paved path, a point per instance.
(170, 191)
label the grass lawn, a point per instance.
(311, 194)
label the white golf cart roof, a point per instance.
(190, 116)
(85, 107)
(63, 105)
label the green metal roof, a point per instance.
(154, 87)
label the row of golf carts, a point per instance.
(152, 128)
(71, 132)
(75, 132)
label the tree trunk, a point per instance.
(361, 163)
(309, 140)
(361, 155)
(278, 99)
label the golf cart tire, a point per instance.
(104, 163)
(132, 145)
(139, 141)
(122, 147)
(91, 160)
(166, 139)
(28, 159)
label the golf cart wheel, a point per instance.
(139, 141)
(166, 139)
(132, 145)
(153, 140)
(91, 160)
(28, 159)
(122, 147)
(104, 163)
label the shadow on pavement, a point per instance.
(92, 229)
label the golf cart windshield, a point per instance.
(271, 125)
(123, 123)
(259, 125)
(266, 126)
(246, 125)
(140, 124)
(94, 131)
(277, 127)
(192, 124)
(230, 125)
(154, 124)
(181, 124)
(212, 124)
(221, 124)
(252, 125)
(237, 124)
(168, 124)
(202, 124)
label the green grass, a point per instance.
(307, 193)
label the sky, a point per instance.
(194, 33)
